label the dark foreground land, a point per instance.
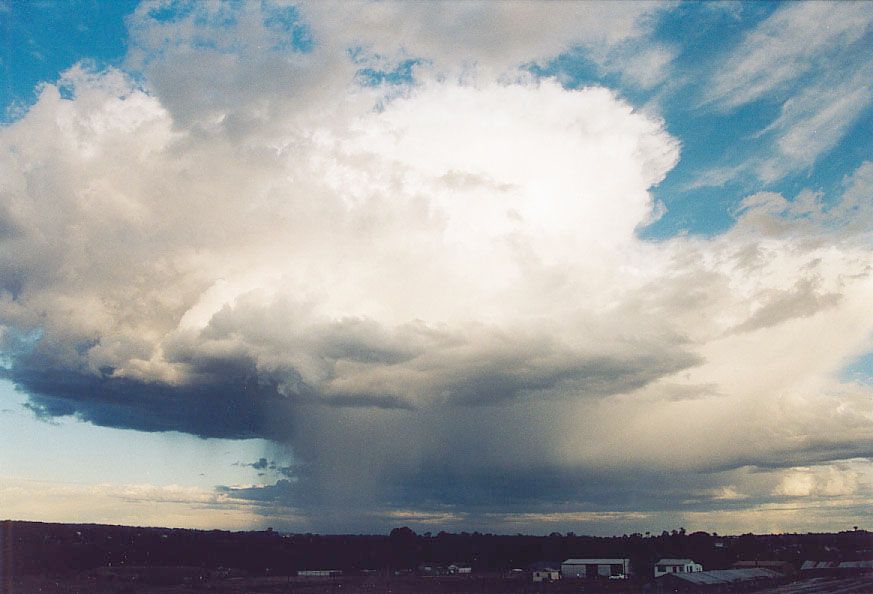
(406, 585)
(70, 558)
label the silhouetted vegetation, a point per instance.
(58, 549)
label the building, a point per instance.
(834, 568)
(546, 575)
(595, 568)
(665, 566)
(459, 568)
(783, 567)
(719, 580)
(857, 566)
(545, 571)
(320, 573)
(818, 565)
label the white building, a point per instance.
(592, 568)
(457, 568)
(546, 575)
(665, 566)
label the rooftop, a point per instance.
(725, 576)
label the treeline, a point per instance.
(57, 549)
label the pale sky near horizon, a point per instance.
(509, 267)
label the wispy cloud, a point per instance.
(812, 58)
(814, 121)
(799, 39)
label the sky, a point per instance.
(498, 266)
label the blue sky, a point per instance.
(246, 229)
(42, 39)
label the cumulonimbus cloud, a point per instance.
(390, 279)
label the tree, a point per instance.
(403, 533)
(404, 547)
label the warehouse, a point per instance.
(594, 568)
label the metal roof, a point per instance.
(595, 561)
(857, 564)
(820, 565)
(725, 576)
(674, 562)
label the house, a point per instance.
(595, 568)
(665, 566)
(718, 580)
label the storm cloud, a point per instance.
(430, 294)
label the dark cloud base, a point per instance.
(236, 408)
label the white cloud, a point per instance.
(238, 67)
(645, 65)
(827, 482)
(494, 36)
(728, 493)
